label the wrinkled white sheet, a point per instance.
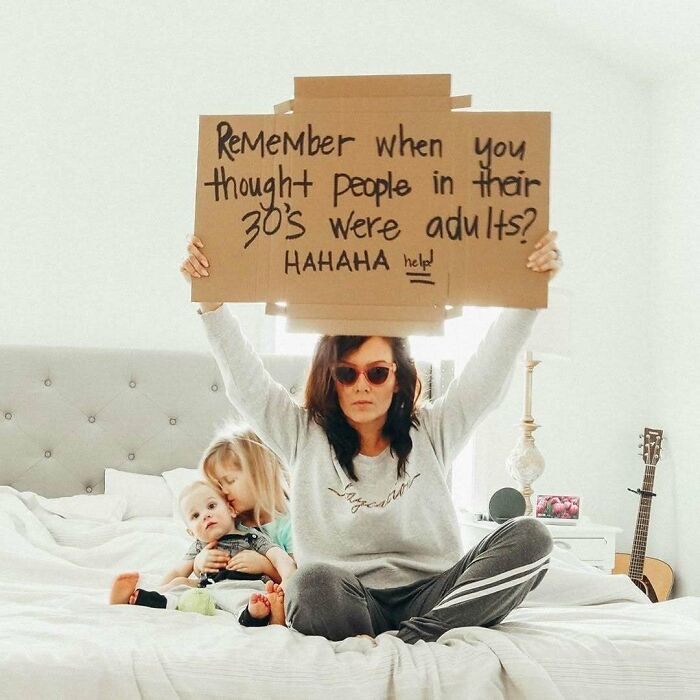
(581, 634)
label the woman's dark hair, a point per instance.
(321, 400)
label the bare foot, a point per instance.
(123, 588)
(277, 607)
(271, 587)
(258, 606)
(275, 594)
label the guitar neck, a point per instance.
(639, 546)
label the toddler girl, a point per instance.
(240, 525)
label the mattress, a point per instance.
(580, 634)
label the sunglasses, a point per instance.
(377, 373)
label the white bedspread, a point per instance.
(581, 634)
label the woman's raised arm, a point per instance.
(482, 383)
(263, 403)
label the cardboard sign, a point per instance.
(372, 206)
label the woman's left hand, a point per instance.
(248, 561)
(546, 257)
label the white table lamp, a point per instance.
(550, 336)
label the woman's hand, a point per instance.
(195, 265)
(546, 257)
(248, 561)
(210, 559)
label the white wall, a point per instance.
(98, 148)
(673, 266)
(591, 407)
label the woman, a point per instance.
(375, 531)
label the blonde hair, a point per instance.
(268, 477)
(190, 488)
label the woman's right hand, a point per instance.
(210, 559)
(195, 265)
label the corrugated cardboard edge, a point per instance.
(284, 107)
(399, 329)
(317, 105)
(347, 312)
(352, 320)
(411, 85)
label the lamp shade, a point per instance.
(551, 332)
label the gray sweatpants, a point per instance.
(479, 590)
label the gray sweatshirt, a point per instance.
(387, 531)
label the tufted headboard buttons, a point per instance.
(52, 443)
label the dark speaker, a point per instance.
(505, 504)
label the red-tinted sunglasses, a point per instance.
(376, 373)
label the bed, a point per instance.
(68, 415)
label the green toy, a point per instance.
(197, 600)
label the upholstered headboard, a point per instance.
(68, 413)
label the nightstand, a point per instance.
(592, 543)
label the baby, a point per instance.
(210, 519)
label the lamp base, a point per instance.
(525, 463)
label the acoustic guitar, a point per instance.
(652, 576)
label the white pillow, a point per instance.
(177, 479)
(99, 508)
(145, 495)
